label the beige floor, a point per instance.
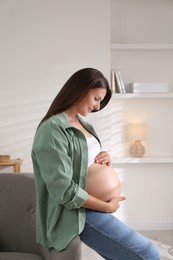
(163, 239)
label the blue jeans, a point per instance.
(114, 240)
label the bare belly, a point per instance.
(102, 182)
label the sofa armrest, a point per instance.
(73, 251)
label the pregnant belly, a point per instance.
(102, 182)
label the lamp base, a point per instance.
(137, 149)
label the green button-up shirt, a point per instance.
(60, 162)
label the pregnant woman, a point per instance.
(72, 198)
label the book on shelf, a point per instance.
(120, 81)
(117, 84)
(112, 82)
(114, 85)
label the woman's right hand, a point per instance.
(100, 205)
(114, 204)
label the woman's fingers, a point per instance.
(122, 198)
(103, 158)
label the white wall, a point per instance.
(148, 187)
(42, 43)
(142, 21)
(148, 191)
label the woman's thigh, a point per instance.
(114, 240)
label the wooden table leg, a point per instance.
(17, 167)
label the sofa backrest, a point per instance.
(17, 213)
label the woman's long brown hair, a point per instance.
(76, 88)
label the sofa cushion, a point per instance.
(17, 218)
(19, 256)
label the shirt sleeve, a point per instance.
(55, 167)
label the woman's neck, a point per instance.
(73, 120)
(72, 115)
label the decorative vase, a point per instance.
(137, 149)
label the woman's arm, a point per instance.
(100, 205)
(52, 163)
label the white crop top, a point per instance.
(93, 149)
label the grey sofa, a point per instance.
(17, 223)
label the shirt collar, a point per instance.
(63, 119)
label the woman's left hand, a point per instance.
(103, 158)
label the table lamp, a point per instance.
(136, 133)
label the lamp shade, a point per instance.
(137, 132)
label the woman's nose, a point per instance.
(97, 107)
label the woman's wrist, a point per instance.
(97, 204)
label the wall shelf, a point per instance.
(146, 160)
(142, 49)
(141, 46)
(140, 96)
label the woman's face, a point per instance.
(91, 101)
